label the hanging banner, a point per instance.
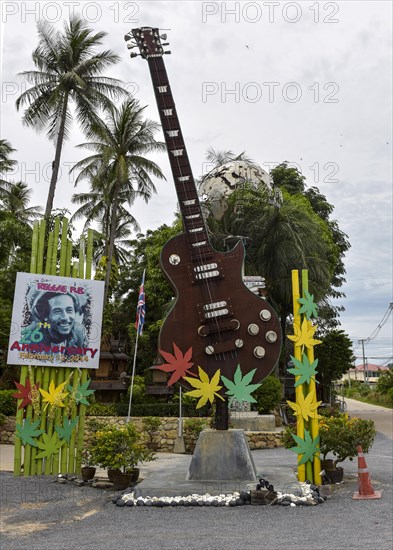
(56, 321)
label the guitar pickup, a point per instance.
(205, 272)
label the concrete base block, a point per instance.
(222, 455)
(179, 446)
(258, 423)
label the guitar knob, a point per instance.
(209, 350)
(253, 329)
(239, 343)
(271, 336)
(202, 331)
(259, 352)
(265, 315)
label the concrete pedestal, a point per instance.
(222, 455)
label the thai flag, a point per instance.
(141, 307)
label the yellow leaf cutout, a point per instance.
(305, 407)
(205, 389)
(55, 396)
(304, 334)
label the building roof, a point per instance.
(369, 367)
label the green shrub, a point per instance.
(99, 409)
(385, 382)
(341, 435)
(160, 409)
(7, 402)
(268, 395)
(3, 419)
(193, 427)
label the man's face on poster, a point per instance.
(61, 314)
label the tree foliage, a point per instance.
(335, 358)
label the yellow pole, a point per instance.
(314, 424)
(301, 470)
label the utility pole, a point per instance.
(364, 363)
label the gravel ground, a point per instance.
(38, 513)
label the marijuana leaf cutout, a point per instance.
(305, 407)
(206, 389)
(27, 431)
(26, 392)
(304, 335)
(309, 308)
(66, 430)
(81, 392)
(49, 445)
(304, 370)
(307, 447)
(178, 363)
(55, 396)
(240, 389)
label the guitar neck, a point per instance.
(190, 208)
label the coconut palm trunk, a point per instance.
(56, 162)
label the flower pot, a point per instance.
(336, 475)
(327, 464)
(88, 472)
(112, 472)
(121, 481)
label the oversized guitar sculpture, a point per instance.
(215, 313)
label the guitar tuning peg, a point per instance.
(133, 54)
(168, 52)
(163, 36)
(130, 45)
(127, 36)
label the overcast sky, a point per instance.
(306, 82)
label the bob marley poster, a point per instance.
(56, 321)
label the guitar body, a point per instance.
(225, 323)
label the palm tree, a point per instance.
(67, 71)
(15, 200)
(6, 164)
(119, 142)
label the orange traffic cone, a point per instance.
(366, 490)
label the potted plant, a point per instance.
(340, 436)
(88, 469)
(120, 450)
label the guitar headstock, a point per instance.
(148, 40)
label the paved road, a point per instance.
(382, 416)
(41, 515)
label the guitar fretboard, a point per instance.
(190, 208)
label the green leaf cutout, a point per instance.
(66, 430)
(81, 392)
(240, 389)
(304, 370)
(27, 431)
(307, 447)
(49, 445)
(309, 308)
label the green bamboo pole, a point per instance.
(56, 232)
(75, 269)
(68, 261)
(74, 414)
(81, 427)
(89, 254)
(63, 248)
(81, 273)
(44, 411)
(49, 253)
(41, 247)
(19, 420)
(53, 376)
(298, 354)
(37, 380)
(61, 377)
(34, 247)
